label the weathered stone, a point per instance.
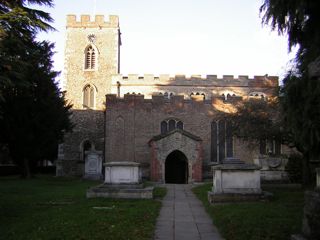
(93, 165)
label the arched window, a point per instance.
(221, 140)
(170, 124)
(90, 58)
(257, 95)
(88, 96)
(86, 145)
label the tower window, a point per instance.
(88, 97)
(90, 58)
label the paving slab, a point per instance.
(182, 216)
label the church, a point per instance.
(167, 124)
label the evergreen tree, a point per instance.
(300, 100)
(33, 113)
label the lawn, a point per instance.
(275, 220)
(56, 208)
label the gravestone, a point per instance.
(272, 168)
(122, 180)
(93, 165)
(234, 180)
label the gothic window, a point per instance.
(221, 140)
(170, 124)
(257, 95)
(88, 97)
(90, 58)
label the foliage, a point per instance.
(300, 20)
(277, 219)
(33, 113)
(18, 25)
(255, 119)
(294, 168)
(56, 208)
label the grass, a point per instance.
(277, 219)
(56, 208)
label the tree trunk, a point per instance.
(26, 173)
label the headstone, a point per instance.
(93, 165)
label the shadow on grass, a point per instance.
(48, 207)
(277, 219)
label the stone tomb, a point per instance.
(122, 180)
(93, 165)
(234, 180)
(272, 169)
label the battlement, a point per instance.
(87, 22)
(158, 99)
(208, 80)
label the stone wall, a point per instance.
(89, 126)
(209, 85)
(106, 42)
(132, 121)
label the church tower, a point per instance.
(92, 56)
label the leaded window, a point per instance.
(221, 140)
(170, 124)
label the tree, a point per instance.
(33, 112)
(300, 100)
(255, 120)
(18, 24)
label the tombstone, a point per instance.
(122, 180)
(93, 165)
(272, 169)
(234, 180)
(122, 173)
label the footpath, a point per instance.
(183, 217)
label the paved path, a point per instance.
(182, 216)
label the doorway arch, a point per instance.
(176, 168)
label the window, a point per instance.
(270, 147)
(86, 145)
(90, 58)
(257, 95)
(170, 124)
(221, 140)
(88, 96)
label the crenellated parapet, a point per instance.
(195, 80)
(97, 22)
(217, 103)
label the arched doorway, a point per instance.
(176, 168)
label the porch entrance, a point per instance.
(176, 168)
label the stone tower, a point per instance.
(92, 57)
(92, 53)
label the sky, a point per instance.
(221, 37)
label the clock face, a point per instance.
(92, 38)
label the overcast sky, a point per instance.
(223, 37)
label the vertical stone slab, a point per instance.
(93, 165)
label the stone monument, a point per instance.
(272, 168)
(122, 180)
(93, 165)
(234, 180)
